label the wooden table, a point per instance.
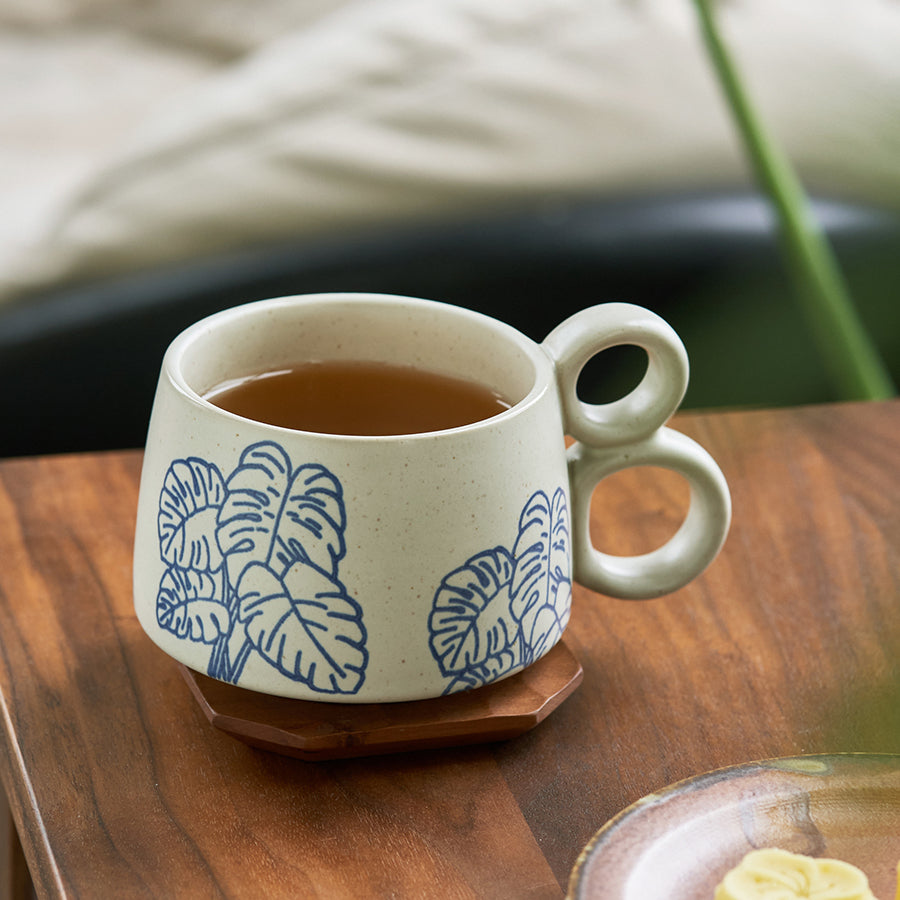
(789, 644)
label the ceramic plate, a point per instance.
(677, 844)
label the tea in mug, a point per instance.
(358, 398)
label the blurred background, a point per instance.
(162, 160)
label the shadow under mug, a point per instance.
(357, 569)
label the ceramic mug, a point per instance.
(373, 569)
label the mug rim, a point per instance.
(543, 375)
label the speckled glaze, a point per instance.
(373, 569)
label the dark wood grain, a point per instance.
(788, 644)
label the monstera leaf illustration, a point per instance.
(187, 605)
(544, 629)
(278, 516)
(469, 622)
(541, 584)
(305, 625)
(192, 492)
(502, 610)
(252, 565)
(493, 668)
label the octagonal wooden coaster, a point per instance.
(315, 731)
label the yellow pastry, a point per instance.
(778, 875)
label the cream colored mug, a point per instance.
(351, 569)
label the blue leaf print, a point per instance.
(469, 621)
(187, 605)
(252, 566)
(478, 676)
(192, 492)
(305, 625)
(503, 609)
(541, 585)
(559, 555)
(546, 628)
(277, 516)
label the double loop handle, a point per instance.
(631, 432)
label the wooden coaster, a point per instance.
(313, 731)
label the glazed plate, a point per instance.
(677, 844)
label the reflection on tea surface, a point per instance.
(359, 398)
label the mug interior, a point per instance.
(274, 334)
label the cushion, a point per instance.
(377, 111)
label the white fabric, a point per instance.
(194, 128)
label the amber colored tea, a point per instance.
(360, 398)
